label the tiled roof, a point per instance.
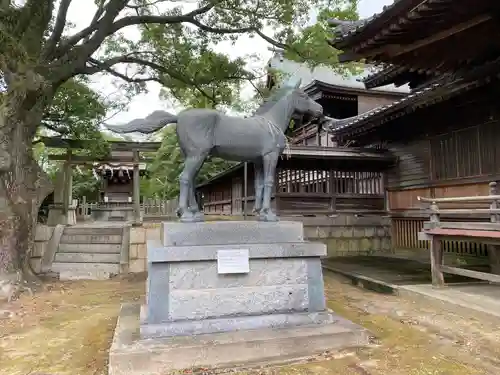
(346, 29)
(439, 90)
(391, 21)
(385, 72)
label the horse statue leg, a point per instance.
(259, 186)
(192, 165)
(270, 161)
(193, 203)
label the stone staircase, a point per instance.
(91, 252)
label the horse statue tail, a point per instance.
(155, 121)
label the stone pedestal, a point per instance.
(271, 308)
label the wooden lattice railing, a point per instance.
(436, 231)
(405, 236)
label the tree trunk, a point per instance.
(23, 184)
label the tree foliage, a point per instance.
(41, 53)
(308, 44)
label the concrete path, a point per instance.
(412, 279)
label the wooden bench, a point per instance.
(436, 231)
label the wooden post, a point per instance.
(436, 250)
(493, 250)
(136, 187)
(494, 203)
(84, 208)
(68, 182)
(331, 188)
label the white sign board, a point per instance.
(232, 261)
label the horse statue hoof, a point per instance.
(191, 217)
(198, 216)
(268, 216)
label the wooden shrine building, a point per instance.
(120, 171)
(446, 133)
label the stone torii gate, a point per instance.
(63, 210)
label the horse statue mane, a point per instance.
(275, 96)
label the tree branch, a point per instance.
(55, 37)
(278, 44)
(60, 130)
(220, 31)
(105, 26)
(99, 25)
(129, 59)
(271, 40)
(136, 7)
(99, 12)
(150, 19)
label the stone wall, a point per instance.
(344, 235)
(348, 235)
(43, 233)
(138, 250)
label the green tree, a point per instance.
(308, 45)
(40, 52)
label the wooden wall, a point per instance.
(308, 135)
(367, 102)
(459, 162)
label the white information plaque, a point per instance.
(232, 261)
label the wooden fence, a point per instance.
(436, 231)
(405, 236)
(159, 207)
(149, 208)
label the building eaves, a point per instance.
(344, 31)
(383, 76)
(439, 90)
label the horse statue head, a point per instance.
(303, 103)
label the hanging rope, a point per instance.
(276, 131)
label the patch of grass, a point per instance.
(67, 330)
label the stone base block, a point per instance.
(230, 233)
(227, 324)
(130, 355)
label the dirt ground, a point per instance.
(67, 329)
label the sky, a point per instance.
(142, 105)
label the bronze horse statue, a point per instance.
(259, 139)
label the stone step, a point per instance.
(90, 248)
(84, 275)
(91, 238)
(79, 268)
(117, 218)
(87, 258)
(101, 231)
(131, 355)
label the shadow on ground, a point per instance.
(392, 271)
